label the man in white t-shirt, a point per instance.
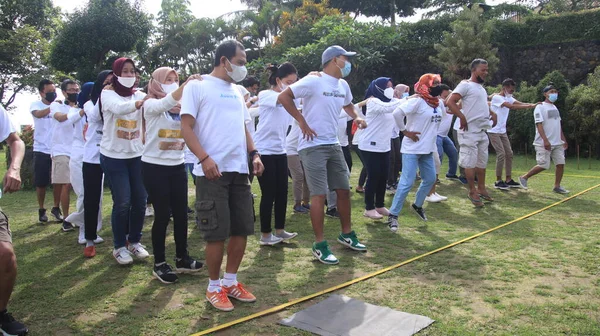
(42, 138)
(550, 142)
(61, 144)
(474, 122)
(213, 124)
(8, 261)
(502, 103)
(319, 148)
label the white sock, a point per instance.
(229, 279)
(214, 285)
(89, 243)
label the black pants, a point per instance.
(274, 189)
(363, 172)
(92, 194)
(167, 187)
(347, 157)
(395, 162)
(377, 168)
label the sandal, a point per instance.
(486, 197)
(476, 203)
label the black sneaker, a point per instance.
(420, 212)
(333, 213)
(66, 226)
(452, 177)
(438, 181)
(42, 216)
(10, 326)
(187, 265)
(501, 185)
(190, 211)
(57, 214)
(164, 273)
(513, 184)
(463, 180)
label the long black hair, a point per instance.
(281, 72)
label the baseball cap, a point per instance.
(333, 52)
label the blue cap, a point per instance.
(333, 52)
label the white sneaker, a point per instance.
(373, 214)
(443, 198)
(271, 240)
(83, 241)
(123, 256)
(433, 199)
(138, 250)
(149, 211)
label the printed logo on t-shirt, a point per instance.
(129, 124)
(168, 133)
(128, 135)
(229, 96)
(334, 94)
(553, 114)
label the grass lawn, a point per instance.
(539, 276)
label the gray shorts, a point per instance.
(224, 207)
(325, 169)
(5, 235)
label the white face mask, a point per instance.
(388, 93)
(168, 88)
(237, 73)
(282, 86)
(127, 82)
(405, 95)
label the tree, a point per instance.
(91, 33)
(387, 9)
(25, 27)
(583, 104)
(469, 39)
(560, 6)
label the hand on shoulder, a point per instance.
(109, 87)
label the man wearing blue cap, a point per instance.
(322, 157)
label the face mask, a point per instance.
(553, 97)
(237, 73)
(282, 87)
(346, 69)
(50, 96)
(126, 81)
(508, 95)
(388, 93)
(435, 91)
(405, 95)
(168, 88)
(72, 97)
(480, 80)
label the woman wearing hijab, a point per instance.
(164, 172)
(374, 144)
(121, 150)
(401, 91)
(423, 116)
(93, 177)
(269, 140)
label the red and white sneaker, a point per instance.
(239, 293)
(219, 300)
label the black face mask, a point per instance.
(435, 91)
(480, 80)
(72, 97)
(50, 96)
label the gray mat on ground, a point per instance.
(340, 315)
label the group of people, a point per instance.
(144, 141)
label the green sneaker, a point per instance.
(350, 240)
(322, 252)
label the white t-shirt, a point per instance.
(93, 135)
(293, 138)
(548, 115)
(501, 111)
(270, 134)
(62, 135)
(323, 98)
(343, 128)
(6, 125)
(446, 122)
(221, 115)
(77, 148)
(380, 121)
(164, 141)
(42, 133)
(122, 132)
(359, 131)
(474, 106)
(420, 117)
(188, 156)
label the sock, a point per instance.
(89, 243)
(159, 264)
(229, 279)
(214, 285)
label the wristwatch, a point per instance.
(254, 153)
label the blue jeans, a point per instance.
(445, 145)
(410, 162)
(190, 168)
(129, 198)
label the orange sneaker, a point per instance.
(239, 293)
(219, 300)
(89, 251)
